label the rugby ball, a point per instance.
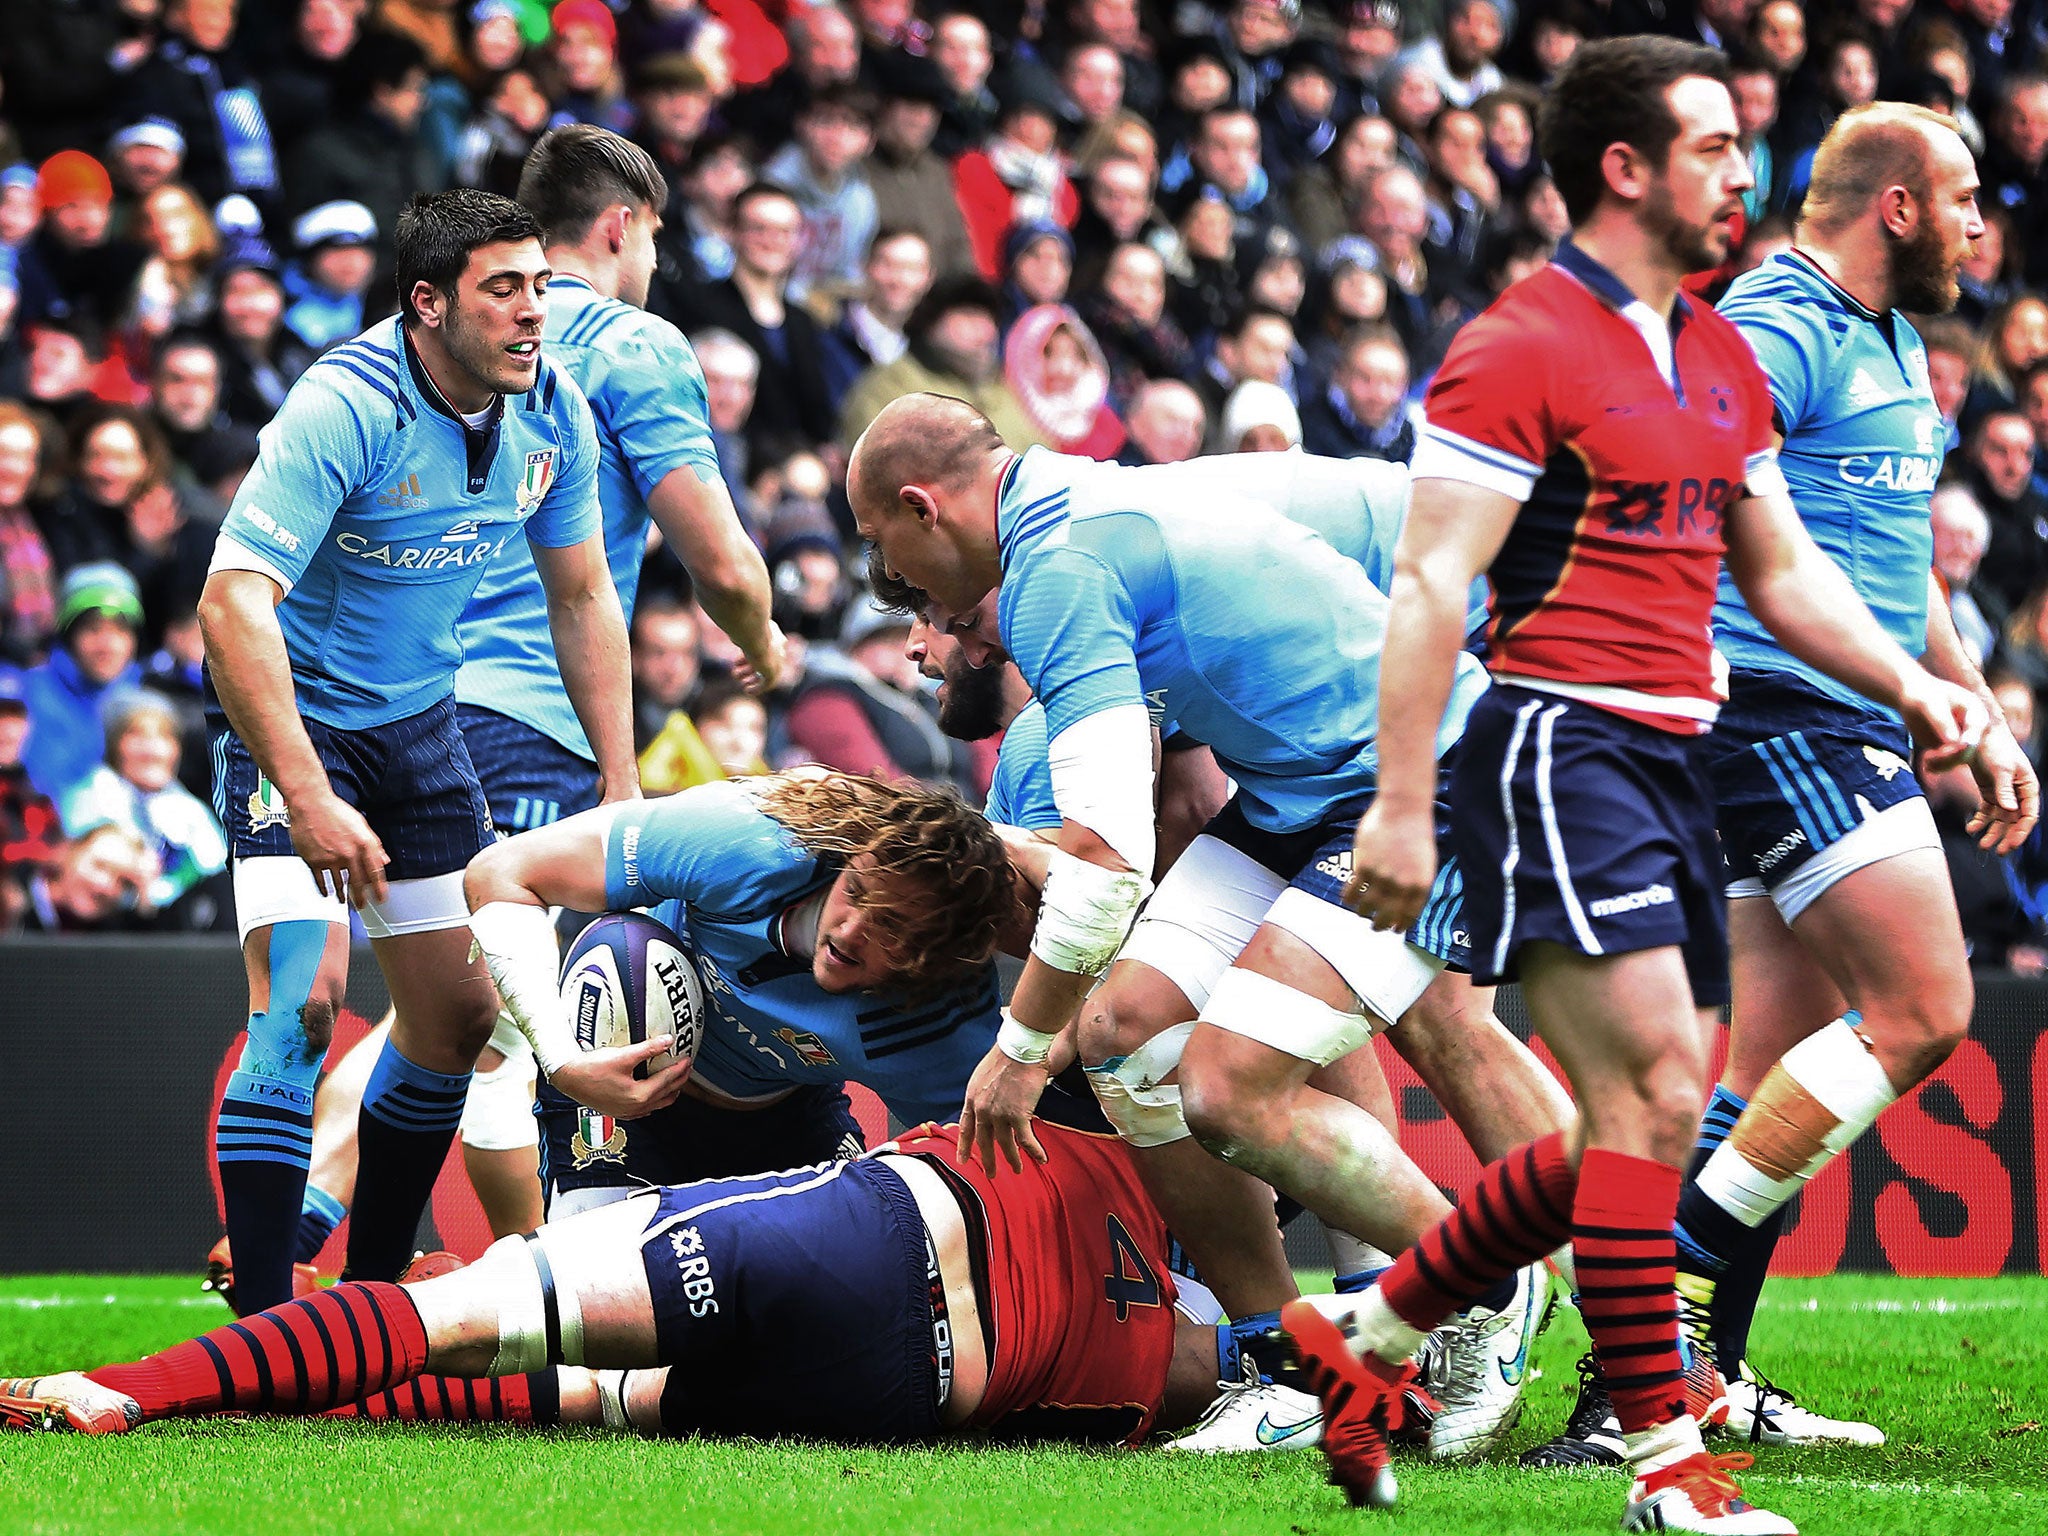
(628, 978)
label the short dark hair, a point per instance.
(184, 339)
(438, 231)
(1614, 92)
(380, 60)
(892, 592)
(574, 174)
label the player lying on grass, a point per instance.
(902, 1296)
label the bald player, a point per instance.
(1168, 595)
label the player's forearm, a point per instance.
(516, 940)
(589, 631)
(1418, 661)
(1948, 658)
(252, 674)
(697, 517)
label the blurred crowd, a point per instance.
(1135, 229)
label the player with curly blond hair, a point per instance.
(843, 928)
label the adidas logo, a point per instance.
(1864, 390)
(404, 496)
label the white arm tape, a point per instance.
(1102, 778)
(1085, 914)
(1024, 1045)
(518, 946)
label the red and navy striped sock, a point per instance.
(1519, 1210)
(534, 1399)
(1626, 1260)
(303, 1357)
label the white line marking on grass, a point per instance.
(38, 1303)
(1937, 1305)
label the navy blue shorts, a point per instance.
(411, 779)
(1588, 830)
(529, 777)
(1317, 860)
(795, 1303)
(1795, 770)
(581, 1149)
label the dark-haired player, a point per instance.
(398, 466)
(903, 1296)
(1595, 442)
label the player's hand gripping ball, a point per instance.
(628, 979)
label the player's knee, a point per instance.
(471, 1021)
(494, 875)
(316, 1019)
(1927, 1030)
(1114, 1022)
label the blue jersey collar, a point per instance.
(1608, 288)
(1018, 520)
(480, 443)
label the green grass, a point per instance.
(1956, 1370)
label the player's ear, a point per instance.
(426, 303)
(920, 504)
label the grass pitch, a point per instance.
(1955, 1370)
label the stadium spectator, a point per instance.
(1167, 424)
(824, 50)
(28, 571)
(580, 70)
(1988, 278)
(185, 386)
(1298, 123)
(2001, 470)
(1128, 317)
(175, 286)
(303, 84)
(861, 707)
(1324, 196)
(733, 725)
(1362, 412)
(2013, 339)
(954, 349)
(1260, 346)
(491, 145)
(1018, 178)
(1950, 348)
(820, 169)
(1842, 75)
(1393, 214)
(99, 612)
(1509, 118)
(98, 883)
(696, 249)
(1962, 534)
(1463, 194)
(964, 56)
(754, 303)
(2014, 163)
(137, 790)
(260, 359)
(176, 671)
(1258, 418)
(371, 154)
(330, 282)
(140, 158)
(869, 331)
(1116, 209)
(197, 80)
(732, 371)
(1038, 267)
(1057, 372)
(666, 674)
(73, 268)
(912, 183)
(1459, 60)
(808, 566)
(1223, 161)
(31, 835)
(1092, 75)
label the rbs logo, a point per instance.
(1656, 509)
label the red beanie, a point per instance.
(72, 176)
(587, 13)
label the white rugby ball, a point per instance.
(628, 978)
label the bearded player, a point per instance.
(1595, 443)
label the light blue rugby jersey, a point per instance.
(720, 871)
(647, 395)
(1227, 620)
(1863, 447)
(1020, 790)
(377, 509)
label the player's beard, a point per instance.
(483, 358)
(1694, 247)
(1923, 276)
(972, 709)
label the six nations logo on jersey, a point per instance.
(537, 479)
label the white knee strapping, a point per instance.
(498, 1114)
(1145, 1111)
(1205, 911)
(1290, 1021)
(1384, 969)
(522, 1308)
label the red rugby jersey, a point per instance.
(1604, 590)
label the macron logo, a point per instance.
(1632, 901)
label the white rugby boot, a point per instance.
(1253, 1414)
(1764, 1413)
(1477, 1376)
